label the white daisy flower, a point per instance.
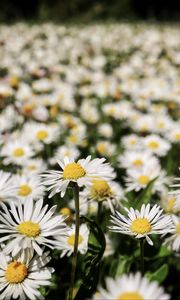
(138, 179)
(156, 144)
(16, 152)
(8, 187)
(34, 166)
(82, 172)
(142, 223)
(23, 275)
(137, 159)
(66, 243)
(29, 186)
(131, 287)
(132, 142)
(171, 203)
(62, 151)
(174, 240)
(105, 148)
(105, 130)
(173, 134)
(30, 226)
(38, 132)
(108, 192)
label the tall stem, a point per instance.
(76, 239)
(142, 255)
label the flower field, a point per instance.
(89, 162)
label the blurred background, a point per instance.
(89, 10)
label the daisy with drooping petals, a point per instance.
(82, 172)
(30, 226)
(131, 287)
(23, 275)
(66, 243)
(108, 192)
(142, 223)
(174, 240)
(8, 187)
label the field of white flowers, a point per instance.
(89, 150)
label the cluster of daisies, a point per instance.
(100, 112)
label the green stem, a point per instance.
(142, 255)
(76, 239)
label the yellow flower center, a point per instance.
(41, 135)
(137, 163)
(24, 190)
(161, 125)
(141, 226)
(153, 145)
(73, 171)
(130, 296)
(143, 179)
(177, 136)
(73, 139)
(71, 239)
(65, 211)
(32, 167)
(16, 272)
(100, 189)
(170, 204)
(18, 152)
(101, 148)
(133, 142)
(178, 228)
(29, 229)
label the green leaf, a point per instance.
(123, 265)
(92, 260)
(159, 275)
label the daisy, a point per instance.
(132, 141)
(82, 172)
(105, 130)
(38, 132)
(137, 159)
(171, 203)
(30, 226)
(34, 166)
(29, 185)
(156, 145)
(108, 192)
(138, 179)
(105, 148)
(66, 243)
(62, 151)
(142, 223)
(23, 275)
(131, 287)
(8, 187)
(16, 152)
(173, 134)
(174, 240)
